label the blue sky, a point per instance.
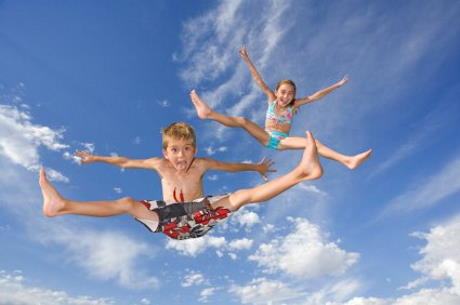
(107, 76)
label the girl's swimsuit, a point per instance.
(277, 136)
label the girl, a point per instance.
(282, 105)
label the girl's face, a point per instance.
(285, 94)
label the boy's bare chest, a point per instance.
(182, 187)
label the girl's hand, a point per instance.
(244, 52)
(85, 157)
(264, 167)
(343, 81)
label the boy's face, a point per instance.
(180, 153)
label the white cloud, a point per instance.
(206, 293)
(195, 246)
(211, 150)
(88, 147)
(212, 177)
(118, 190)
(20, 139)
(246, 218)
(105, 255)
(429, 191)
(240, 244)
(54, 175)
(441, 254)
(264, 291)
(318, 256)
(164, 103)
(193, 278)
(14, 290)
(145, 301)
(311, 188)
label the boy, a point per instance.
(181, 177)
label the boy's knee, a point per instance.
(238, 199)
(128, 203)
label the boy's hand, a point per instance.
(264, 167)
(244, 52)
(85, 157)
(343, 81)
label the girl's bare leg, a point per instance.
(54, 204)
(309, 168)
(352, 162)
(205, 112)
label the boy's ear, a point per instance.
(165, 153)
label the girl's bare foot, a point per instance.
(53, 203)
(202, 109)
(309, 167)
(356, 160)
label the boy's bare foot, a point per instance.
(310, 168)
(202, 109)
(53, 203)
(356, 160)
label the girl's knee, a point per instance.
(242, 121)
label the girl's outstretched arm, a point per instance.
(256, 75)
(321, 93)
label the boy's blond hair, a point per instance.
(178, 131)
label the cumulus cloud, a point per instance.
(441, 254)
(264, 291)
(206, 293)
(195, 246)
(240, 244)
(106, 255)
(439, 266)
(14, 290)
(20, 139)
(193, 278)
(211, 150)
(246, 218)
(145, 301)
(303, 253)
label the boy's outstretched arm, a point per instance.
(256, 75)
(321, 93)
(263, 167)
(123, 162)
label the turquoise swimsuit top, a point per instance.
(284, 118)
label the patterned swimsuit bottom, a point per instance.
(275, 138)
(184, 220)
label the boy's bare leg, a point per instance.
(205, 112)
(352, 162)
(54, 204)
(309, 168)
